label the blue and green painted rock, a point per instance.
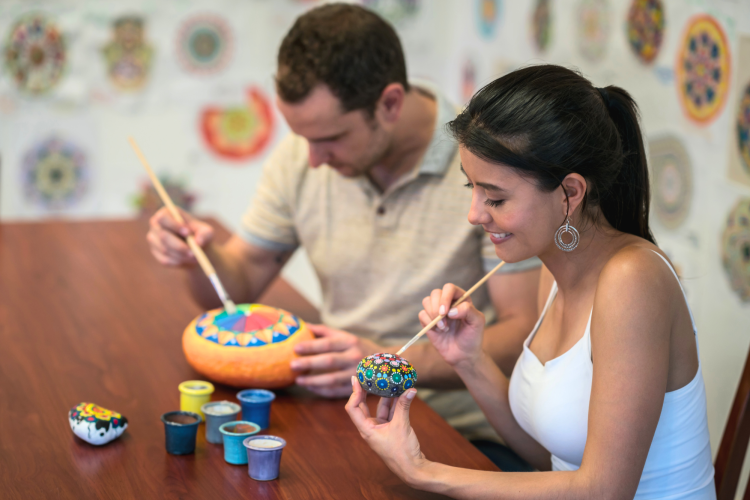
(386, 375)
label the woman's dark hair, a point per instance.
(348, 48)
(547, 122)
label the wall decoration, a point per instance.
(241, 132)
(55, 174)
(541, 24)
(735, 246)
(468, 79)
(646, 28)
(204, 44)
(35, 54)
(395, 12)
(488, 17)
(672, 181)
(147, 201)
(742, 128)
(128, 55)
(593, 28)
(739, 143)
(703, 69)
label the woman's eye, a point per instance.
(469, 185)
(493, 203)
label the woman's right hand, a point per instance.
(458, 338)
(166, 237)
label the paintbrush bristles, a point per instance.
(461, 299)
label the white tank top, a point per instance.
(551, 403)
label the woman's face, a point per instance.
(520, 218)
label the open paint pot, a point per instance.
(234, 433)
(264, 456)
(194, 394)
(180, 430)
(256, 406)
(218, 413)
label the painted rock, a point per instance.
(96, 425)
(386, 375)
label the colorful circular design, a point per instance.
(735, 243)
(593, 28)
(541, 25)
(395, 12)
(55, 174)
(743, 128)
(241, 132)
(204, 44)
(128, 55)
(646, 28)
(703, 69)
(253, 325)
(386, 375)
(35, 54)
(488, 17)
(672, 181)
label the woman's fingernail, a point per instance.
(354, 383)
(453, 313)
(442, 310)
(410, 395)
(441, 324)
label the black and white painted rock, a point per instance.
(96, 425)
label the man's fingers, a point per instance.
(321, 330)
(324, 345)
(341, 391)
(162, 219)
(332, 379)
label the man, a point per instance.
(370, 185)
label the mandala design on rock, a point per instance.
(386, 375)
(541, 24)
(55, 174)
(672, 179)
(735, 243)
(593, 28)
(204, 44)
(253, 325)
(703, 69)
(646, 28)
(743, 128)
(96, 425)
(35, 54)
(396, 12)
(488, 17)
(239, 133)
(128, 56)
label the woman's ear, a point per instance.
(574, 185)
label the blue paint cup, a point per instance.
(180, 429)
(263, 456)
(218, 413)
(256, 406)
(234, 433)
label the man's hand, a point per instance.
(166, 237)
(330, 360)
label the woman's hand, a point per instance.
(458, 338)
(389, 433)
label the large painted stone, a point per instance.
(386, 375)
(96, 425)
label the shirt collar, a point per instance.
(442, 148)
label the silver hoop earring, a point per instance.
(566, 229)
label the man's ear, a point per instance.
(391, 102)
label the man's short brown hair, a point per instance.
(346, 47)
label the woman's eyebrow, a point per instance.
(485, 185)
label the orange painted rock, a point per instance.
(251, 348)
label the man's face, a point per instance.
(351, 143)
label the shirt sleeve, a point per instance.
(490, 259)
(269, 220)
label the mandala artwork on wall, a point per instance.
(735, 245)
(239, 133)
(128, 55)
(703, 69)
(395, 12)
(148, 201)
(204, 44)
(743, 128)
(672, 181)
(55, 174)
(541, 24)
(593, 28)
(646, 28)
(35, 54)
(488, 17)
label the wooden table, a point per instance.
(87, 315)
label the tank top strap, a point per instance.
(684, 295)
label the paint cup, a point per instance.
(256, 406)
(180, 429)
(234, 433)
(194, 394)
(218, 413)
(263, 456)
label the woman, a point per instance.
(607, 399)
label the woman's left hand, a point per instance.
(389, 433)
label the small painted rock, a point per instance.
(96, 425)
(386, 375)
